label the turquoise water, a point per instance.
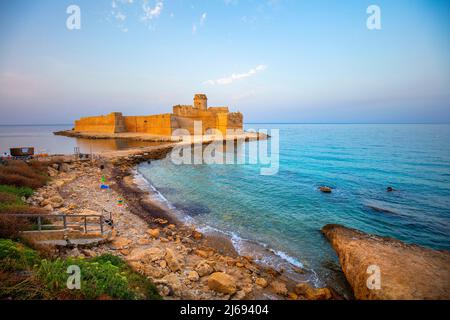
(285, 212)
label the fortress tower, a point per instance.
(201, 102)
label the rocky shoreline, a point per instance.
(182, 262)
(405, 272)
(186, 264)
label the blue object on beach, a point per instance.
(104, 186)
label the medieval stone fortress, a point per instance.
(182, 117)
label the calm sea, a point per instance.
(284, 213)
(44, 141)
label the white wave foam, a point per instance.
(288, 258)
(237, 241)
(145, 184)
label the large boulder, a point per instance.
(222, 282)
(146, 255)
(172, 260)
(405, 271)
(203, 268)
(154, 233)
(261, 282)
(120, 243)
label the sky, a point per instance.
(304, 61)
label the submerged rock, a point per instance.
(385, 268)
(197, 235)
(311, 293)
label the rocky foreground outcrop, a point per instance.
(405, 271)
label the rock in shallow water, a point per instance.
(311, 293)
(405, 271)
(325, 189)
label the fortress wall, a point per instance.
(183, 116)
(153, 124)
(185, 110)
(103, 124)
(222, 123)
(235, 120)
(218, 109)
(208, 120)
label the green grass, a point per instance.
(105, 275)
(18, 191)
(11, 197)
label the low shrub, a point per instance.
(19, 173)
(21, 286)
(99, 278)
(10, 227)
(8, 198)
(18, 180)
(21, 209)
(107, 257)
(25, 275)
(15, 256)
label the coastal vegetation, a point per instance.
(30, 271)
(25, 274)
(18, 180)
(32, 174)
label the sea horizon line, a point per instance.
(250, 123)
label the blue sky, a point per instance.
(275, 61)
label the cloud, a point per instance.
(231, 2)
(117, 13)
(151, 12)
(237, 76)
(120, 16)
(201, 23)
(203, 18)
